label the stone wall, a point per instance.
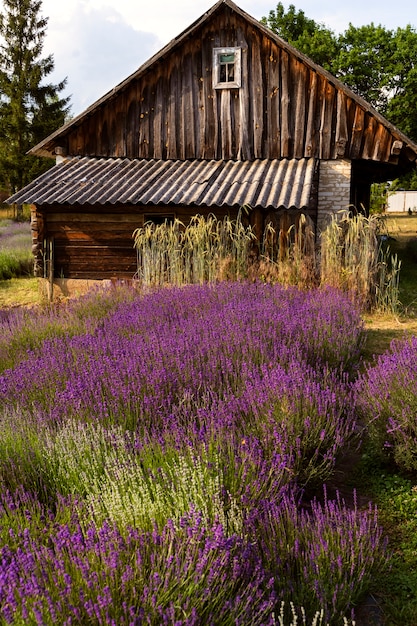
(334, 190)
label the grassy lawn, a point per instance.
(20, 292)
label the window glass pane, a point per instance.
(227, 58)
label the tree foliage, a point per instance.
(365, 62)
(315, 40)
(30, 107)
(402, 106)
(376, 63)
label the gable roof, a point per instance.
(281, 183)
(47, 146)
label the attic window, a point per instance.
(226, 68)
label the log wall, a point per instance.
(98, 243)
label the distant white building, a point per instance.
(402, 202)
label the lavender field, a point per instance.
(168, 458)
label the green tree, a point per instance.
(30, 107)
(309, 37)
(402, 105)
(408, 181)
(381, 66)
(366, 62)
(378, 199)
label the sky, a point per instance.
(98, 43)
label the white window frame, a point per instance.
(237, 82)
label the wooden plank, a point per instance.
(120, 135)
(285, 107)
(327, 121)
(185, 129)
(273, 134)
(225, 124)
(83, 253)
(369, 135)
(208, 131)
(132, 130)
(299, 79)
(92, 239)
(144, 130)
(95, 219)
(196, 75)
(257, 97)
(357, 133)
(310, 137)
(202, 113)
(158, 139)
(381, 148)
(171, 115)
(244, 139)
(341, 138)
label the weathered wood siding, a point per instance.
(285, 108)
(95, 239)
(97, 242)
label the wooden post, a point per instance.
(49, 267)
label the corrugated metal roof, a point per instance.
(262, 183)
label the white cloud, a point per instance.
(95, 49)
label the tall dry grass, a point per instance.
(288, 255)
(354, 258)
(350, 255)
(206, 250)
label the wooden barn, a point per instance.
(226, 115)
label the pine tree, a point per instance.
(30, 107)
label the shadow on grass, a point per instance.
(380, 334)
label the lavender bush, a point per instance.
(332, 548)
(185, 575)
(152, 451)
(23, 331)
(387, 400)
(162, 345)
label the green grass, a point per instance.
(396, 497)
(402, 232)
(20, 292)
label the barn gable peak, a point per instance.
(227, 87)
